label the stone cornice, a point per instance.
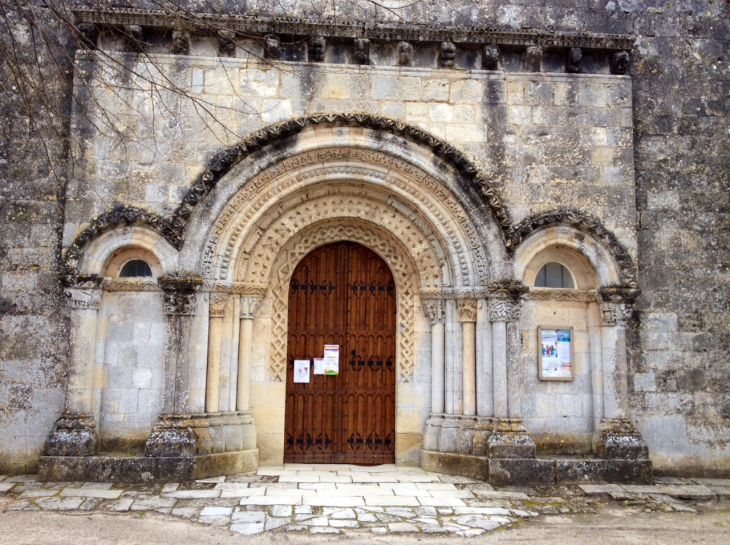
(207, 23)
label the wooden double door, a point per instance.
(342, 294)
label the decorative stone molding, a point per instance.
(584, 223)
(130, 284)
(619, 294)
(250, 305)
(300, 27)
(129, 215)
(467, 310)
(434, 310)
(504, 310)
(180, 293)
(558, 294)
(83, 299)
(477, 292)
(217, 306)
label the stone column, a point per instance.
(249, 306)
(618, 437)
(468, 319)
(75, 433)
(434, 309)
(485, 383)
(172, 436)
(510, 438)
(216, 313)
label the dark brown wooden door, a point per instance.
(342, 294)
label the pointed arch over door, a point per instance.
(343, 294)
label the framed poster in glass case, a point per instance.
(555, 353)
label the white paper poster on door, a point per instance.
(331, 359)
(301, 371)
(319, 366)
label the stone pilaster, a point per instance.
(617, 438)
(75, 432)
(216, 312)
(434, 309)
(468, 318)
(172, 436)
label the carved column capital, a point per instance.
(504, 310)
(83, 298)
(217, 307)
(614, 314)
(250, 306)
(467, 310)
(180, 293)
(434, 309)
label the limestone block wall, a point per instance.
(131, 340)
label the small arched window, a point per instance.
(554, 275)
(135, 268)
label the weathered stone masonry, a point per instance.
(472, 171)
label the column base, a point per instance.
(620, 440)
(172, 437)
(510, 439)
(74, 434)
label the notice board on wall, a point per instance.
(555, 353)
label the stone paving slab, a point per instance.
(390, 500)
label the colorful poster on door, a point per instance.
(301, 371)
(331, 359)
(555, 354)
(319, 366)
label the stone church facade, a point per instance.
(476, 164)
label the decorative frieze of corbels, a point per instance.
(361, 51)
(180, 42)
(574, 63)
(490, 57)
(620, 62)
(301, 27)
(533, 58)
(226, 43)
(405, 54)
(272, 46)
(447, 58)
(316, 49)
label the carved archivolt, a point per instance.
(434, 210)
(392, 252)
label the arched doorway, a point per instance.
(342, 294)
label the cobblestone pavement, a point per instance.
(326, 499)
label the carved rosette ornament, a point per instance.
(250, 305)
(180, 293)
(467, 310)
(218, 302)
(434, 309)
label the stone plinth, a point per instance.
(73, 435)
